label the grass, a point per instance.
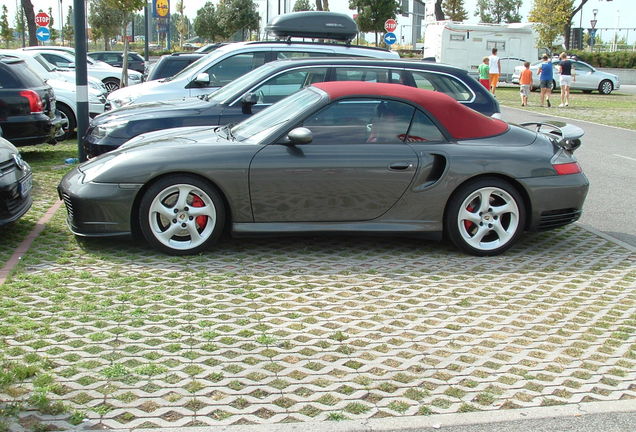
(615, 109)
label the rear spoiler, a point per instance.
(565, 135)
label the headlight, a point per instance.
(120, 102)
(97, 86)
(134, 77)
(107, 128)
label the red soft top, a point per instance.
(460, 121)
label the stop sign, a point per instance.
(42, 19)
(390, 25)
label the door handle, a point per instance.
(400, 166)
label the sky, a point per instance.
(611, 13)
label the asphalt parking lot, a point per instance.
(320, 329)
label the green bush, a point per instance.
(617, 59)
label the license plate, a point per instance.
(26, 184)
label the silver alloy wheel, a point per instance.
(488, 218)
(606, 87)
(111, 85)
(182, 217)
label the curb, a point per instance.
(419, 423)
(607, 237)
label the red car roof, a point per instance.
(460, 121)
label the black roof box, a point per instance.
(313, 24)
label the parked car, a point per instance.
(229, 62)
(208, 48)
(588, 78)
(336, 157)
(27, 105)
(171, 64)
(109, 75)
(116, 58)
(273, 81)
(16, 181)
(63, 84)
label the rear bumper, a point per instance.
(555, 200)
(31, 129)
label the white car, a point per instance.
(109, 75)
(63, 84)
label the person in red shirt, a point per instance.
(525, 83)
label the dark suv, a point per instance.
(273, 81)
(116, 58)
(170, 64)
(27, 105)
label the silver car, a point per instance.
(588, 78)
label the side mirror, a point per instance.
(300, 135)
(202, 79)
(71, 65)
(247, 101)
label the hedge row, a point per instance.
(617, 59)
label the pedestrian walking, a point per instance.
(494, 69)
(546, 78)
(484, 71)
(525, 83)
(566, 78)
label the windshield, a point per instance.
(229, 91)
(263, 123)
(45, 64)
(193, 66)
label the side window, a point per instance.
(233, 67)
(280, 55)
(362, 74)
(6, 80)
(287, 83)
(361, 121)
(444, 84)
(423, 129)
(581, 68)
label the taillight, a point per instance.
(567, 168)
(35, 101)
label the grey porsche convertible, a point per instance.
(336, 157)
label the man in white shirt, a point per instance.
(495, 70)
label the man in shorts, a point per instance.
(494, 66)
(525, 83)
(546, 77)
(567, 77)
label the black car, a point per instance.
(208, 48)
(27, 105)
(15, 183)
(270, 83)
(116, 58)
(170, 64)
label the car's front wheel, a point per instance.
(181, 214)
(605, 87)
(111, 84)
(70, 123)
(485, 217)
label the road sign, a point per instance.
(593, 23)
(390, 25)
(390, 38)
(43, 33)
(42, 19)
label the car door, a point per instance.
(228, 69)
(355, 169)
(585, 79)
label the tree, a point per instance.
(181, 22)
(302, 5)
(104, 21)
(5, 30)
(551, 16)
(27, 6)
(454, 10)
(498, 11)
(127, 7)
(68, 31)
(322, 5)
(20, 21)
(373, 13)
(439, 12)
(205, 23)
(54, 33)
(568, 25)
(235, 15)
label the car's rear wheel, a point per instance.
(485, 217)
(111, 84)
(181, 214)
(70, 124)
(605, 87)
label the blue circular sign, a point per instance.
(43, 33)
(390, 38)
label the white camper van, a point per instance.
(465, 45)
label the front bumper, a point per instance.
(15, 194)
(97, 209)
(94, 146)
(555, 200)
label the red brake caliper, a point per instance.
(468, 224)
(200, 220)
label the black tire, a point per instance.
(69, 130)
(173, 235)
(605, 87)
(111, 84)
(479, 229)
